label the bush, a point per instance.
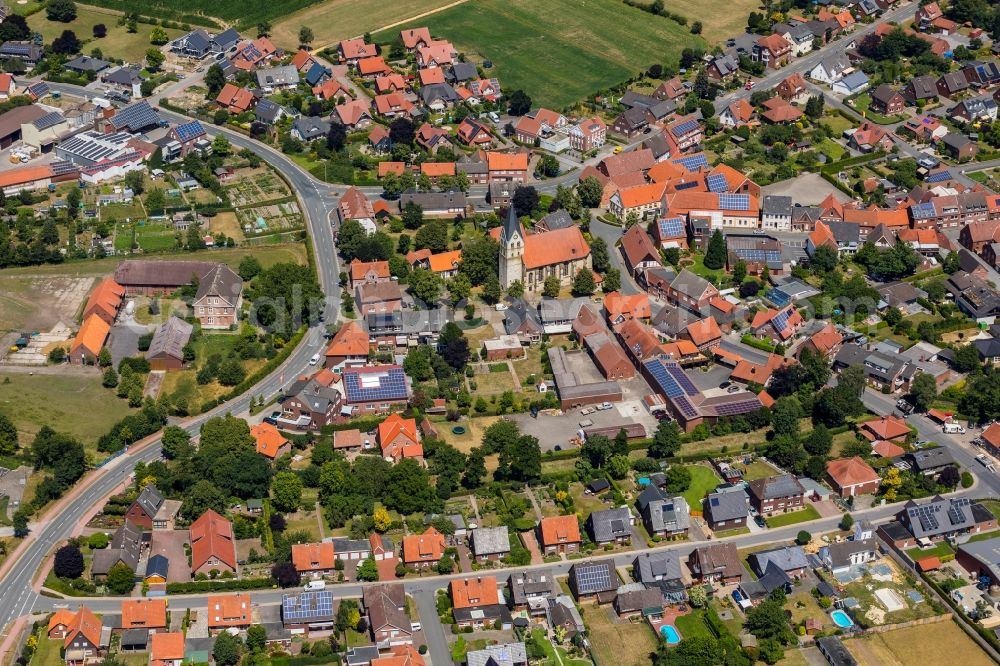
(98, 541)
(803, 538)
(967, 480)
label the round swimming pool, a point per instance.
(842, 619)
(458, 430)
(670, 634)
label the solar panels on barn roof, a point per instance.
(717, 183)
(135, 117)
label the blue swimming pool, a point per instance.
(670, 634)
(842, 619)
(643, 481)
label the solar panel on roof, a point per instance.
(50, 119)
(780, 320)
(686, 186)
(594, 577)
(188, 131)
(307, 605)
(734, 201)
(671, 227)
(939, 176)
(717, 183)
(667, 383)
(682, 380)
(368, 386)
(135, 117)
(734, 408)
(692, 162)
(684, 128)
(922, 211)
(687, 409)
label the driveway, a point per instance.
(124, 340)
(170, 544)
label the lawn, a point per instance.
(334, 20)
(698, 268)
(48, 652)
(182, 384)
(940, 550)
(461, 646)
(758, 469)
(703, 481)
(555, 655)
(118, 43)
(803, 605)
(938, 644)
(559, 51)
(837, 123)
(992, 505)
(693, 625)
(793, 518)
(622, 644)
(73, 404)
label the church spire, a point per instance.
(512, 226)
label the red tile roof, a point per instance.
(212, 536)
(144, 613)
(399, 438)
(269, 439)
(847, 472)
(472, 592)
(887, 427)
(309, 557)
(229, 610)
(166, 646)
(554, 247)
(350, 340)
(559, 529)
(426, 547)
(887, 449)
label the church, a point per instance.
(531, 258)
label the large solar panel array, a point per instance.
(734, 201)
(922, 211)
(307, 605)
(62, 167)
(671, 227)
(687, 409)
(188, 131)
(593, 577)
(17, 48)
(682, 379)
(39, 90)
(717, 183)
(939, 176)
(135, 117)
(368, 386)
(734, 408)
(667, 383)
(778, 297)
(692, 162)
(684, 128)
(757, 254)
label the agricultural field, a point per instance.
(560, 51)
(235, 12)
(118, 43)
(335, 20)
(719, 22)
(938, 644)
(71, 403)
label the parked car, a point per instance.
(273, 418)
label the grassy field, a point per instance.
(235, 12)
(693, 625)
(74, 404)
(335, 20)
(719, 22)
(559, 51)
(555, 655)
(758, 469)
(183, 383)
(938, 644)
(785, 519)
(622, 644)
(703, 480)
(130, 47)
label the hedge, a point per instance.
(762, 345)
(221, 585)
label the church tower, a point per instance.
(511, 250)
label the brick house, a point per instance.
(773, 50)
(559, 534)
(388, 622)
(776, 493)
(229, 611)
(213, 545)
(719, 562)
(852, 476)
(422, 551)
(220, 294)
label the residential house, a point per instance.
(166, 649)
(952, 84)
(778, 325)
(310, 128)
(270, 443)
(309, 404)
(722, 67)
(147, 614)
(643, 200)
(920, 89)
(661, 570)
(590, 579)
(81, 634)
(839, 558)
(792, 88)
(790, 559)
(314, 560)
(959, 146)
(830, 69)
(89, 341)
(663, 515)
(229, 612)
(887, 101)
(213, 546)
(504, 654)
(691, 292)
(305, 612)
(236, 99)
(490, 543)
(886, 428)
(975, 109)
(931, 461)
(737, 114)
(773, 50)
(780, 112)
(219, 297)
(476, 602)
(471, 132)
(422, 551)
(350, 346)
(611, 526)
(718, 562)
(559, 534)
(588, 134)
(639, 601)
(353, 50)
(531, 590)
(399, 438)
(147, 510)
(507, 167)
(639, 250)
(775, 494)
(941, 518)
(851, 84)
(726, 510)
(126, 547)
(388, 622)
(354, 114)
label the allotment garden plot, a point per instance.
(263, 203)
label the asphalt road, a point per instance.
(18, 597)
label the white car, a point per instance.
(500, 307)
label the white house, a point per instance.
(831, 69)
(851, 84)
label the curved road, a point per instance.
(18, 597)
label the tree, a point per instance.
(551, 286)
(923, 391)
(967, 358)
(739, 272)
(425, 285)
(803, 537)
(263, 29)
(599, 257)
(104, 357)
(368, 570)
(69, 562)
(715, 256)
(767, 620)
(433, 236)
(201, 497)
(666, 441)
(256, 638)
(521, 461)
(14, 28)
(590, 192)
(678, 479)
(305, 35)
(176, 443)
(158, 36)
(583, 283)
(402, 131)
(612, 280)
(819, 441)
(286, 575)
(227, 649)
(518, 103)
(20, 521)
(286, 489)
(785, 415)
(100, 31)
(847, 522)
(596, 450)
(231, 372)
(336, 138)
(949, 477)
(8, 436)
(249, 267)
(525, 200)
(66, 44)
(696, 28)
(459, 288)
(824, 259)
(382, 519)
(548, 166)
(413, 215)
(697, 596)
(121, 579)
(63, 11)
(492, 291)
